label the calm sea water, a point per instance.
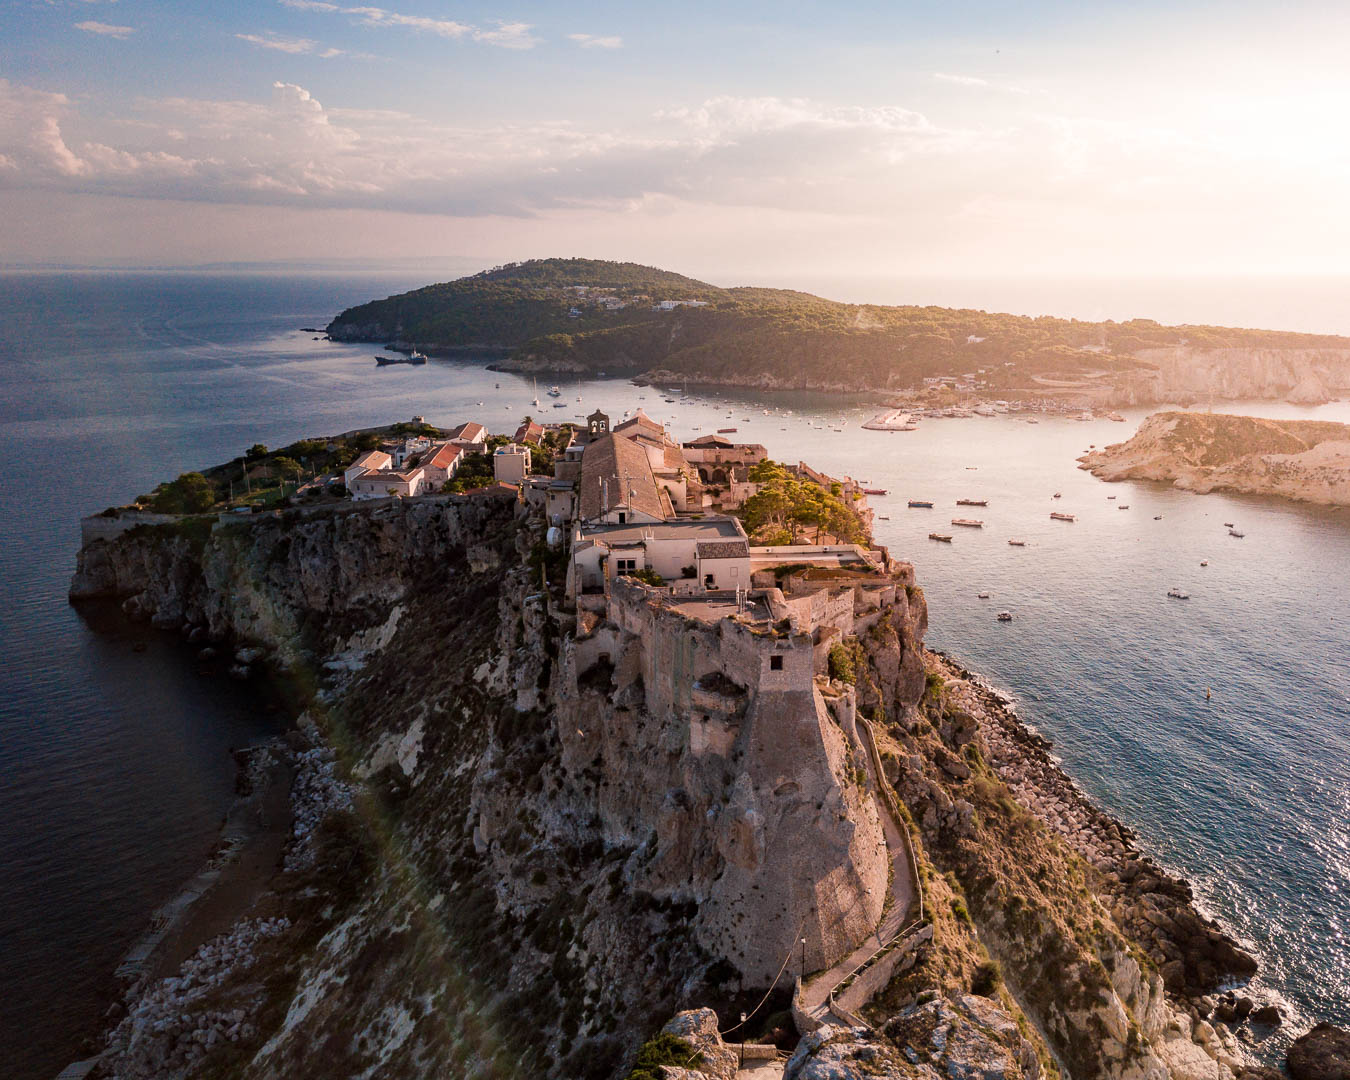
(113, 764)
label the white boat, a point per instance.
(1017, 543)
(1177, 594)
(970, 523)
(1063, 517)
(1234, 532)
(1204, 562)
(1005, 616)
(555, 391)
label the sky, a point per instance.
(735, 141)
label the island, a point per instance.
(1307, 460)
(587, 316)
(601, 747)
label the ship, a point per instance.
(1063, 517)
(874, 491)
(920, 504)
(972, 502)
(969, 523)
(940, 536)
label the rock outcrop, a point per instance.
(1295, 459)
(1321, 1054)
(1187, 373)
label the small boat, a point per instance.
(920, 504)
(972, 502)
(940, 536)
(883, 517)
(555, 391)
(1110, 497)
(1157, 517)
(982, 596)
(726, 431)
(1063, 517)
(1123, 506)
(971, 468)
(1177, 594)
(1227, 524)
(1057, 495)
(1234, 532)
(1017, 543)
(969, 523)
(560, 404)
(1005, 616)
(1204, 562)
(496, 386)
(874, 491)
(416, 357)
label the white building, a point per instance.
(471, 436)
(371, 459)
(511, 463)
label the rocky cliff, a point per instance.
(522, 840)
(1202, 452)
(1187, 373)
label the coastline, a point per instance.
(1155, 907)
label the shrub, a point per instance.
(841, 664)
(663, 1049)
(648, 576)
(985, 981)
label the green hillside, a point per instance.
(588, 315)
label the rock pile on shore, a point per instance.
(172, 1023)
(317, 792)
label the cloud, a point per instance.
(292, 45)
(591, 41)
(92, 26)
(978, 83)
(504, 35)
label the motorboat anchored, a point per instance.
(920, 504)
(1177, 594)
(970, 523)
(1017, 543)
(945, 538)
(1005, 616)
(1235, 532)
(1055, 515)
(972, 502)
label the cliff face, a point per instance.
(521, 844)
(1202, 452)
(1185, 373)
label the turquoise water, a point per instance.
(113, 771)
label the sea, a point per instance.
(114, 747)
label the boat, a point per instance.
(560, 404)
(1157, 517)
(1005, 616)
(884, 517)
(1123, 506)
(555, 391)
(535, 400)
(1063, 517)
(416, 357)
(874, 491)
(982, 596)
(972, 502)
(726, 431)
(1204, 562)
(1018, 543)
(496, 386)
(969, 523)
(920, 504)
(1057, 495)
(1227, 524)
(1110, 497)
(940, 536)
(1177, 594)
(1234, 532)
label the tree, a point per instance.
(257, 450)
(286, 466)
(191, 493)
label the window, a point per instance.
(775, 663)
(627, 566)
(623, 518)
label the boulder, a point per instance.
(1320, 1054)
(698, 1027)
(1266, 1016)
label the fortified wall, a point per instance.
(723, 758)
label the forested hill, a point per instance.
(582, 315)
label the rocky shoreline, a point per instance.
(1156, 909)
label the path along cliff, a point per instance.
(522, 838)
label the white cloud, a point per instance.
(591, 41)
(960, 80)
(92, 26)
(504, 35)
(291, 45)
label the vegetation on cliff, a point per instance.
(785, 507)
(589, 315)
